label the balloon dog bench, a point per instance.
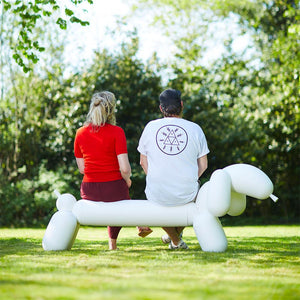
(224, 193)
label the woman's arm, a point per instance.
(144, 163)
(80, 164)
(202, 164)
(125, 168)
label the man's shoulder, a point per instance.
(154, 123)
(189, 124)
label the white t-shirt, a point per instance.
(172, 147)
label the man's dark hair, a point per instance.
(170, 102)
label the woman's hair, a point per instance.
(102, 109)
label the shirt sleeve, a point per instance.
(203, 148)
(141, 147)
(77, 150)
(121, 145)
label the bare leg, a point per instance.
(112, 244)
(113, 232)
(179, 230)
(173, 234)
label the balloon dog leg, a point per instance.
(209, 232)
(61, 231)
(63, 226)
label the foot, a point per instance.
(166, 239)
(181, 245)
(144, 231)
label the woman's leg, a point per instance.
(112, 244)
(113, 233)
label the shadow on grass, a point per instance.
(254, 249)
(11, 246)
(266, 249)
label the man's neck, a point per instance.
(173, 116)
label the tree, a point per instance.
(250, 103)
(275, 27)
(29, 16)
(28, 107)
(52, 108)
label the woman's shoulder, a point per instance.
(81, 129)
(114, 128)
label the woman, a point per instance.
(101, 155)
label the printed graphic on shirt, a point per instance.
(171, 139)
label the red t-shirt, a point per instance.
(99, 149)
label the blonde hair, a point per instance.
(102, 109)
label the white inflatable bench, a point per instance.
(225, 193)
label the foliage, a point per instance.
(40, 116)
(247, 103)
(29, 202)
(29, 14)
(274, 96)
(261, 261)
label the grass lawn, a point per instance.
(262, 262)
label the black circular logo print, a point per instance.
(171, 139)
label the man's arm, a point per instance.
(202, 164)
(144, 163)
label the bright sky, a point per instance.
(104, 14)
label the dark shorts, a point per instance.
(110, 191)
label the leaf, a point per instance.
(75, 20)
(16, 56)
(26, 69)
(47, 13)
(36, 9)
(62, 23)
(36, 44)
(69, 12)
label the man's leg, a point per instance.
(179, 230)
(173, 234)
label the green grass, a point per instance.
(260, 263)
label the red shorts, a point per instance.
(110, 191)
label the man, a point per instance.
(173, 154)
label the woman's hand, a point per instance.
(128, 182)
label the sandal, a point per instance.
(144, 231)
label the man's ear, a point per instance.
(160, 108)
(181, 104)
